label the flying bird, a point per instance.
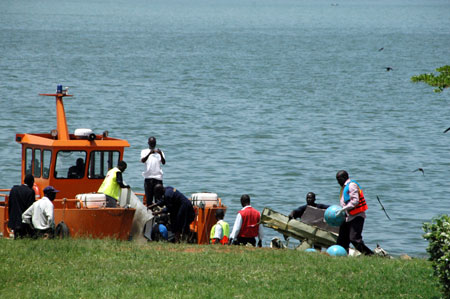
(382, 207)
(448, 129)
(380, 49)
(419, 169)
(389, 69)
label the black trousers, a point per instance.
(351, 232)
(111, 202)
(149, 186)
(45, 233)
(24, 231)
(182, 219)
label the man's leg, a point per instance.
(148, 191)
(245, 241)
(344, 236)
(356, 227)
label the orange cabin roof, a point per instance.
(48, 156)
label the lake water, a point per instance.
(268, 98)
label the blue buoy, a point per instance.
(310, 250)
(331, 218)
(336, 250)
(163, 231)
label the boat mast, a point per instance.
(61, 122)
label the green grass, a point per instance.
(108, 268)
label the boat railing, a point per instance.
(144, 199)
(74, 203)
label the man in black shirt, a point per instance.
(310, 201)
(21, 197)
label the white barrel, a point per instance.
(208, 199)
(92, 200)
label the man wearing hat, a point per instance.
(40, 214)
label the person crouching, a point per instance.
(220, 232)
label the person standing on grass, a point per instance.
(354, 206)
(21, 197)
(246, 226)
(153, 175)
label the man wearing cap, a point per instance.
(310, 201)
(21, 197)
(153, 175)
(113, 183)
(40, 214)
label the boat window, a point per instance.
(46, 160)
(37, 163)
(28, 160)
(102, 161)
(70, 164)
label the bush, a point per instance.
(441, 82)
(438, 235)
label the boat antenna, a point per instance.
(61, 122)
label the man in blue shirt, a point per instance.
(178, 206)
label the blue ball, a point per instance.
(331, 218)
(310, 250)
(336, 250)
(163, 231)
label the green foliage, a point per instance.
(438, 235)
(441, 82)
(111, 269)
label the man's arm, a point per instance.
(260, 235)
(119, 180)
(297, 213)
(144, 156)
(218, 234)
(163, 158)
(26, 216)
(353, 192)
(321, 206)
(236, 227)
(48, 213)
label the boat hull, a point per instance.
(97, 223)
(82, 222)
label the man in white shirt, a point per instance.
(153, 174)
(40, 214)
(246, 226)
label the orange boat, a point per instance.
(76, 164)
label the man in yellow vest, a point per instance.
(113, 183)
(220, 232)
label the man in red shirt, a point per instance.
(246, 227)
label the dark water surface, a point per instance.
(269, 98)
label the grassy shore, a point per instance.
(108, 268)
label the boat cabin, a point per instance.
(72, 163)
